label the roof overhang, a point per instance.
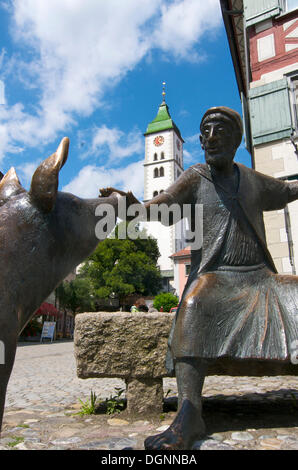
(232, 13)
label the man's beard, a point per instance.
(219, 161)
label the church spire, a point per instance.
(163, 92)
(163, 120)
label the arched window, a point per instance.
(155, 157)
(161, 191)
(162, 156)
(155, 193)
(155, 174)
(161, 171)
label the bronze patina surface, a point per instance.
(44, 235)
(235, 307)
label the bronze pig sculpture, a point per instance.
(44, 235)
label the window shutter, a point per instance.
(260, 10)
(270, 112)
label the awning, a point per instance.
(48, 309)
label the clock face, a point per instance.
(178, 144)
(159, 140)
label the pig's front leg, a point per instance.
(8, 346)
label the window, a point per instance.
(155, 157)
(162, 155)
(155, 193)
(187, 269)
(155, 174)
(161, 191)
(161, 171)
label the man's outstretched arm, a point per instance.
(179, 193)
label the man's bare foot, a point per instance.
(187, 427)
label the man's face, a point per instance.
(218, 140)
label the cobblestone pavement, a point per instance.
(42, 406)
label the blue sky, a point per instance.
(93, 70)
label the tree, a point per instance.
(119, 267)
(165, 300)
(76, 295)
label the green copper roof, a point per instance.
(162, 122)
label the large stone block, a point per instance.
(120, 344)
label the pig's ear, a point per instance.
(9, 186)
(44, 184)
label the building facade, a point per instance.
(263, 40)
(162, 166)
(182, 262)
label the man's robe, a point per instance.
(241, 309)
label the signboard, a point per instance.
(48, 330)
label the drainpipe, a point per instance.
(290, 239)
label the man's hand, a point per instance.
(130, 198)
(106, 192)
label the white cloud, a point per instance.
(183, 23)
(193, 153)
(2, 93)
(25, 172)
(193, 139)
(76, 49)
(187, 157)
(92, 178)
(114, 143)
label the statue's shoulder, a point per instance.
(244, 168)
(253, 174)
(200, 169)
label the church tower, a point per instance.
(163, 165)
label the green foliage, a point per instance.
(16, 440)
(114, 404)
(119, 267)
(76, 295)
(89, 406)
(165, 300)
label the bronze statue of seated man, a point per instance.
(234, 304)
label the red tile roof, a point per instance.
(182, 253)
